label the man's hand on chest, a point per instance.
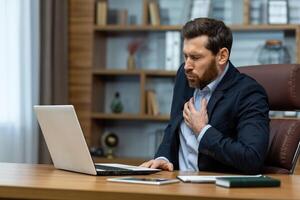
(195, 120)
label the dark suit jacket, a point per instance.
(238, 113)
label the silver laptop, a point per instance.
(68, 148)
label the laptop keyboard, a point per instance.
(110, 168)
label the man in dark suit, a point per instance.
(219, 117)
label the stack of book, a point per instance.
(152, 104)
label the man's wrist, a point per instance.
(202, 132)
(197, 132)
(162, 158)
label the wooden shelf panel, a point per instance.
(120, 72)
(116, 72)
(265, 27)
(160, 73)
(116, 28)
(239, 27)
(110, 116)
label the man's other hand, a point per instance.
(158, 164)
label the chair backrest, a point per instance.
(282, 84)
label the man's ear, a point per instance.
(223, 56)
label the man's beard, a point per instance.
(209, 75)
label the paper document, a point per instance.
(210, 179)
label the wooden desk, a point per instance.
(24, 181)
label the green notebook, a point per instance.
(262, 181)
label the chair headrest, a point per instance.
(281, 82)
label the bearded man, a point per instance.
(219, 117)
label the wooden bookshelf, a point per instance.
(88, 71)
(289, 28)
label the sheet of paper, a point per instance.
(209, 179)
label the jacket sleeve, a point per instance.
(247, 150)
(165, 148)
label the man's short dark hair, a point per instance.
(219, 35)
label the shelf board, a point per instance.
(125, 116)
(142, 28)
(160, 73)
(116, 72)
(122, 72)
(265, 27)
(238, 27)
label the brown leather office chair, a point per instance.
(282, 84)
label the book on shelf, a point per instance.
(152, 104)
(261, 181)
(154, 13)
(278, 11)
(101, 16)
(122, 17)
(145, 10)
(173, 50)
(200, 8)
(148, 103)
(246, 12)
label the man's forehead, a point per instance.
(194, 46)
(198, 39)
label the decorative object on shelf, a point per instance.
(278, 12)
(110, 141)
(116, 105)
(132, 48)
(96, 151)
(273, 52)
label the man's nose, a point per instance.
(188, 65)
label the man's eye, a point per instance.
(194, 57)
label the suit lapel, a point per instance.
(227, 81)
(188, 94)
(217, 96)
